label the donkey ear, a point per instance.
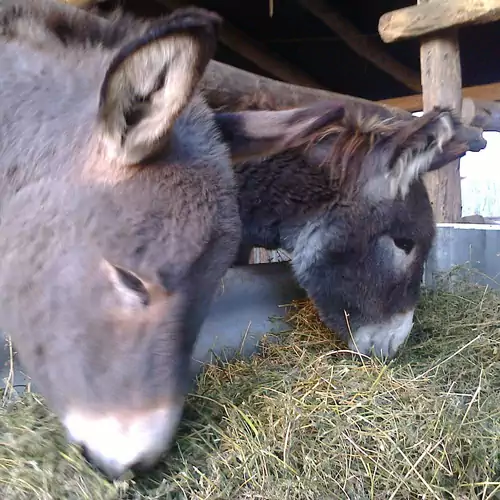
(151, 80)
(407, 153)
(254, 134)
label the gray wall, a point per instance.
(474, 246)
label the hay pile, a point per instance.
(304, 421)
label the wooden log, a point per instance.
(234, 89)
(488, 92)
(368, 48)
(426, 18)
(442, 86)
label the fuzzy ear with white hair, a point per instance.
(151, 80)
(410, 151)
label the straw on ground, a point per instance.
(304, 419)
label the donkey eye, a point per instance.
(405, 244)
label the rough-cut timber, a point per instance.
(234, 89)
(487, 92)
(442, 86)
(426, 18)
(366, 47)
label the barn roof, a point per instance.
(303, 41)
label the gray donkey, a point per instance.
(118, 213)
(355, 217)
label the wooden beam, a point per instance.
(367, 48)
(233, 89)
(426, 18)
(442, 86)
(488, 92)
(250, 49)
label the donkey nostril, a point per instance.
(140, 468)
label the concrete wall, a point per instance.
(474, 246)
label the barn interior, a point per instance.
(304, 420)
(335, 45)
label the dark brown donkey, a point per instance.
(353, 213)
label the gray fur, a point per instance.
(118, 212)
(67, 205)
(357, 251)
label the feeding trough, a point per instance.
(475, 246)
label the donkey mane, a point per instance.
(343, 149)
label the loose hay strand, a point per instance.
(306, 419)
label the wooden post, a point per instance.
(437, 22)
(442, 85)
